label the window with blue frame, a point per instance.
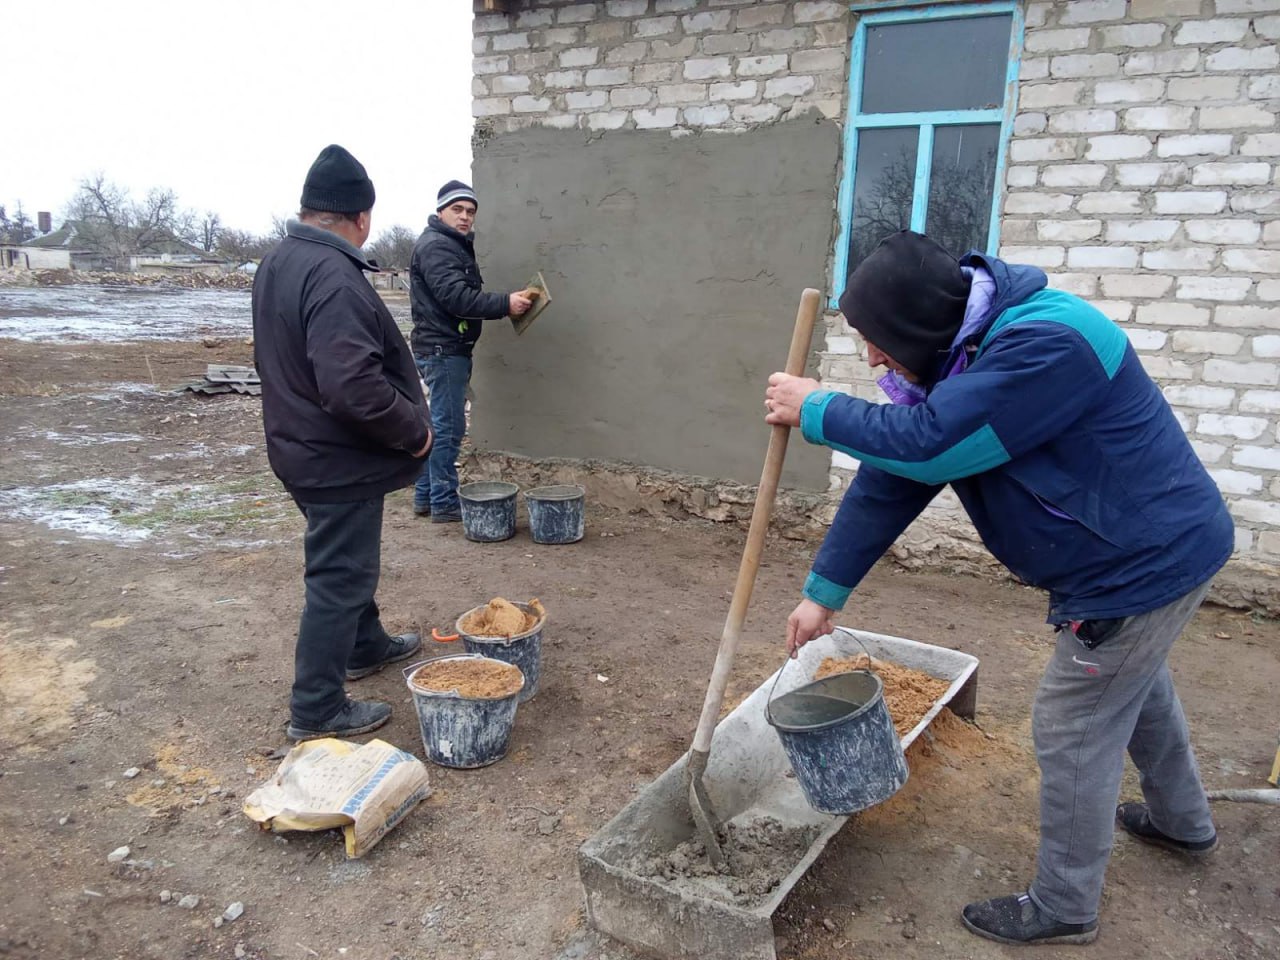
(930, 109)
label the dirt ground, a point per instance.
(166, 645)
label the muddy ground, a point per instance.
(149, 593)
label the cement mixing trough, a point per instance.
(749, 780)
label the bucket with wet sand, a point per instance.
(466, 708)
(488, 510)
(511, 632)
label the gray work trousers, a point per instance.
(1091, 705)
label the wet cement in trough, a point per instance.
(761, 852)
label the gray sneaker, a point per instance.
(355, 717)
(401, 648)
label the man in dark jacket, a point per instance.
(449, 310)
(1034, 407)
(346, 423)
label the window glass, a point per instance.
(958, 64)
(962, 182)
(883, 187)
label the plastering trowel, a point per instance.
(536, 288)
(699, 802)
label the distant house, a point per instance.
(71, 247)
(59, 250)
(174, 257)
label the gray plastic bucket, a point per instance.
(488, 510)
(556, 513)
(523, 650)
(462, 732)
(840, 740)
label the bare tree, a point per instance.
(394, 248)
(16, 229)
(243, 246)
(156, 220)
(103, 215)
(111, 222)
(206, 231)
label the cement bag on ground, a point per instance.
(364, 788)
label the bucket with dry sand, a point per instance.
(466, 708)
(511, 632)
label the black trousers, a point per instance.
(340, 625)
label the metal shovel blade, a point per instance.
(704, 817)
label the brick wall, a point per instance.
(681, 65)
(1144, 174)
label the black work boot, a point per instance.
(1135, 818)
(355, 717)
(1016, 919)
(401, 648)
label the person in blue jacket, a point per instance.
(1034, 407)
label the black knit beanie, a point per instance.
(908, 299)
(455, 190)
(337, 183)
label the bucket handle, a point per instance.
(768, 708)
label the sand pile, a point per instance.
(502, 618)
(472, 677)
(909, 694)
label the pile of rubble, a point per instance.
(65, 278)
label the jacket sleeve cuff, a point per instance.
(822, 591)
(812, 412)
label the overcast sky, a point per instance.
(227, 103)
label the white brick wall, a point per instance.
(703, 57)
(1165, 215)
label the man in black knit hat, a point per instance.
(346, 423)
(1035, 409)
(449, 309)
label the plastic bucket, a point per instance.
(524, 650)
(840, 740)
(458, 731)
(488, 510)
(556, 513)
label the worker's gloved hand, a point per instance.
(807, 620)
(784, 397)
(519, 304)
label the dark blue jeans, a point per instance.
(340, 626)
(446, 378)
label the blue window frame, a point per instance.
(931, 103)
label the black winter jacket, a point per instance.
(449, 308)
(342, 405)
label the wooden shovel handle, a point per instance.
(801, 338)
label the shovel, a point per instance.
(699, 803)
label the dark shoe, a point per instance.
(1135, 818)
(355, 717)
(1017, 919)
(401, 648)
(422, 509)
(447, 516)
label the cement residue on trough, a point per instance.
(760, 853)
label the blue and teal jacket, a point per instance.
(1061, 449)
